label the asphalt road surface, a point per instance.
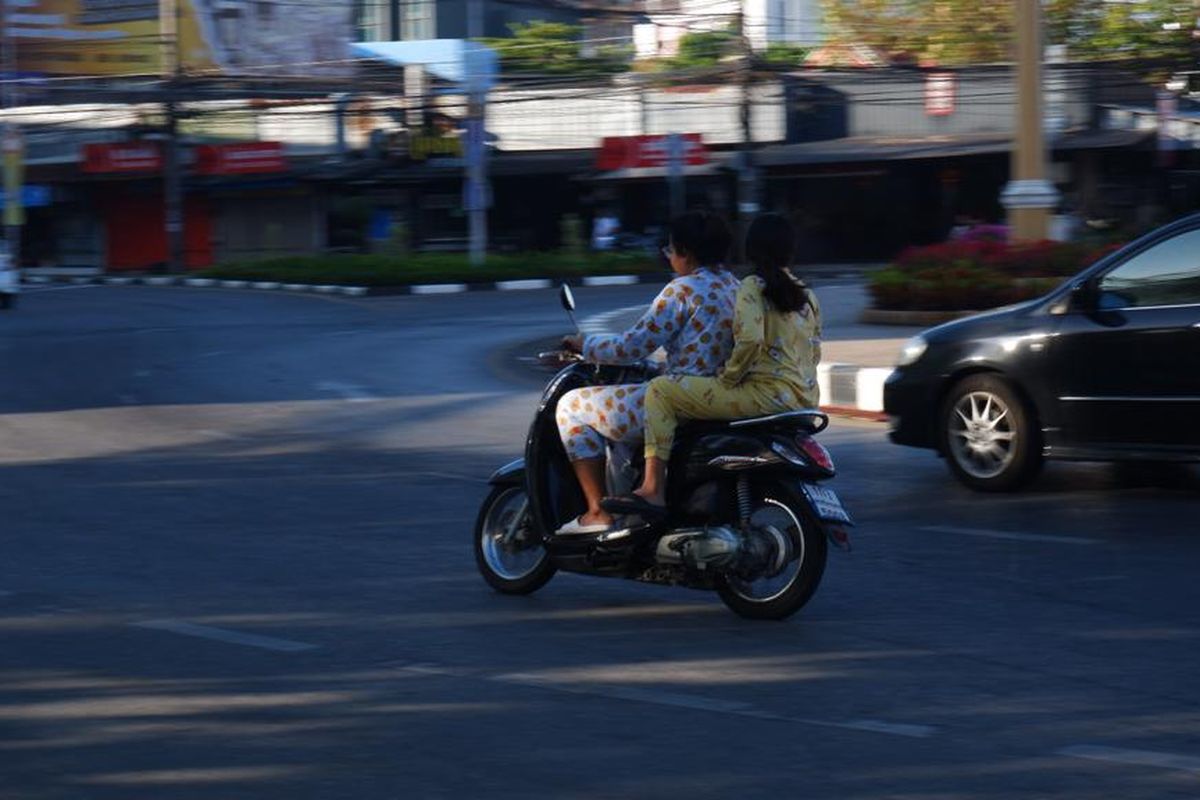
(235, 563)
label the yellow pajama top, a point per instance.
(770, 348)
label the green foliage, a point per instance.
(785, 55)
(958, 32)
(389, 270)
(554, 48)
(703, 48)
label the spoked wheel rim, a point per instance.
(778, 518)
(983, 434)
(509, 546)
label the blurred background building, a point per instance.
(871, 133)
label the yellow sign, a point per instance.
(122, 37)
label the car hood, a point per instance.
(989, 323)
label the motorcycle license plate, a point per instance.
(826, 503)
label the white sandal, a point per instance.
(576, 528)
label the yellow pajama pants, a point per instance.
(679, 397)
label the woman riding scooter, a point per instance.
(691, 319)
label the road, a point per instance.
(235, 562)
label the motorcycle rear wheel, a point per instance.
(802, 576)
(508, 553)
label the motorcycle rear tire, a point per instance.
(804, 586)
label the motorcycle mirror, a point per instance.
(568, 302)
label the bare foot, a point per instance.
(598, 518)
(651, 498)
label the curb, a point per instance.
(518, 285)
(849, 387)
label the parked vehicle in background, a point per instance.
(1104, 368)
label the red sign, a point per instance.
(625, 152)
(243, 158)
(940, 91)
(122, 157)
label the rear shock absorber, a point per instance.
(745, 499)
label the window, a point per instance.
(1168, 274)
(417, 20)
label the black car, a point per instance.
(1104, 368)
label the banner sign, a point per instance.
(297, 38)
(941, 90)
(124, 157)
(242, 158)
(33, 195)
(631, 152)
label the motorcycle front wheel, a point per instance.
(782, 512)
(508, 551)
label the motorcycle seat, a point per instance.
(805, 420)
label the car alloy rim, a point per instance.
(509, 549)
(982, 434)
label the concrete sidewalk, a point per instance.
(856, 358)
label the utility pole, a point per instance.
(168, 28)
(1029, 197)
(476, 188)
(747, 187)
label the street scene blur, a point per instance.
(619, 399)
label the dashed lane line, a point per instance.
(1142, 758)
(184, 628)
(351, 392)
(669, 699)
(1009, 535)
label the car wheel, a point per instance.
(988, 435)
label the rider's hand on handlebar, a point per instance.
(573, 343)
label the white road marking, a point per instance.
(1143, 758)
(894, 728)
(60, 288)
(702, 703)
(268, 285)
(438, 288)
(351, 392)
(610, 280)
(524, 285)
(223, 635)
(1016, 537)
(450, 476)
(602, 323)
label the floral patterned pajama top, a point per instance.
(692, 319)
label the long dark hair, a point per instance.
(770, 246)
(702, 235)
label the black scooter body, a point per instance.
(697, 493)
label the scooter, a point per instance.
(748, 516)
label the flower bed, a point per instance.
(977, 273)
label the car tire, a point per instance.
(988, 434)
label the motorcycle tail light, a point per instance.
(815, 452)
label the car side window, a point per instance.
(1167, 274)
